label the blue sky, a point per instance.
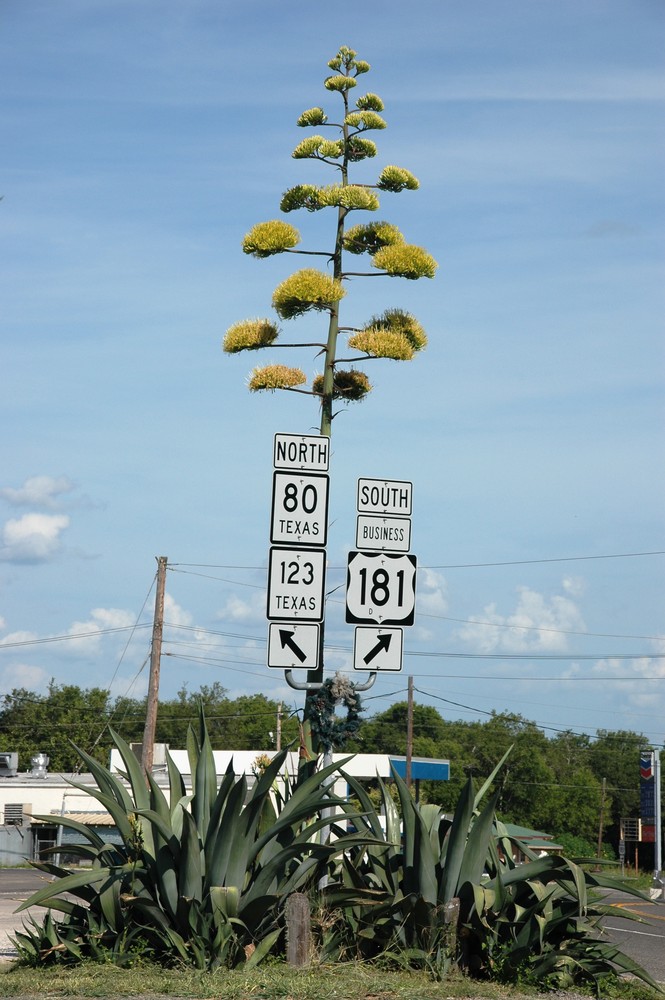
(141, 140)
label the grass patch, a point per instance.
(272, 981)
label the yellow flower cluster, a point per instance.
(305, 290)
(268, 238)
(404, 260)
(275, 377)
(351, 385)
(249, 335)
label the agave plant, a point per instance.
(433, 892)
(200, 878)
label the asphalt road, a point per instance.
(644, 942)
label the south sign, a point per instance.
(384, 496)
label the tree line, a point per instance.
(572, 785)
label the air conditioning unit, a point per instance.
(8, 765)
(15, 813)
(159, 751)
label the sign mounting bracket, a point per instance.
(316, 685)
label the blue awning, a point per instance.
(422, 768)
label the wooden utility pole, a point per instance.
(602, 817)
(148, 748)
(409, 733)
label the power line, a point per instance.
(476, 565)
(77, 635)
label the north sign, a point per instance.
(377, 648)
(306, 452)
(295, 644)
(299, 508)
(381, 588)
(384, 496)
(296, 582)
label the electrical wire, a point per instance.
(511, 562)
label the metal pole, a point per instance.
(658, 860)
(409, 733)
(150, 728)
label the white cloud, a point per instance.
(432, 596)
(636, 684)
(32, 537)
(24, 675)
(538, 624)
(90, 631)
(174, 614)
(16, 637)
(38, 491)
(237, 610)
(574, 585)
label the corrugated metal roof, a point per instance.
(87, 818)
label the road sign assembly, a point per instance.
(295, 644)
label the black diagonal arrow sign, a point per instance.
(382, 646)
(286, 639)
(378, 648)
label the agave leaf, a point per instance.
(225, 900)
(68, 884)
(158, 801)
(158, 919)
(227, 855)
(118, 810)
(109, 899)
(72, 824)
(135, 773)
(221, 796)
(488, 781)
(176, 781)
(204, 780)
(457, 837)
(477, 844)
(263, 948)
(189, 868)
(108, 783)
